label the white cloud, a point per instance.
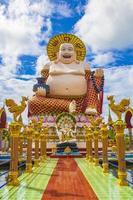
(21, 23)
(107, 24)
(20, 30)
(63, 8)
(103, 59)
(42, 7)
(42, 60)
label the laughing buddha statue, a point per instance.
(66, 81)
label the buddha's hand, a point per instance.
(41, 91)
(99, 72)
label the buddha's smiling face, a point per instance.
(66, 53)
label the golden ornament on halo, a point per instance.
(56, 41)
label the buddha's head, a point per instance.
(66, 48)
(66, 53)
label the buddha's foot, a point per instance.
(91, 111)
(72, 106)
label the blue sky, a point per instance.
(27, 25)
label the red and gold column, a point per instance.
(104, 135)
(119, 127)
(13, 174)
(29, 149)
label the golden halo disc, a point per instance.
(55, 42)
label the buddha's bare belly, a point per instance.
(67, 85)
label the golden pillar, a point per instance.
(130, 137)
(95, 122)
(87, 143)
(104, 136)
(43, 144)
(89, 151)
(90, 137)
(13, 174)
(95, 137)
(29, 149)
(36, 139)
(87, 148)
(21, 140)
(119, 127)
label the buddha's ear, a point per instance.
(57, 54)
(75, 58)
(57, 60)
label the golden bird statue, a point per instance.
(16, 109)
(119, 108)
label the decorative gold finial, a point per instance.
(110, 121)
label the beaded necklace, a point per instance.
(98, 90)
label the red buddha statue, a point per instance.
(67, 83)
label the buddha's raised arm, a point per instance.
(87, 71)
(40, 88)
(45, 71)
